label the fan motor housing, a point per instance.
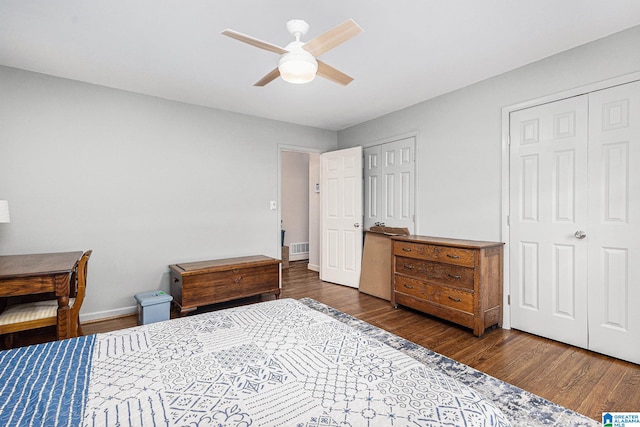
(297, 27)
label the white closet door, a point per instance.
(613, 232)
(548, 190)
(372, 188)
(575, 221)
(390, 184)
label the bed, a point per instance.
(272, 363)
(276, 363)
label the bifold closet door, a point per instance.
(613, 231)
(575, 221)
(389, 173)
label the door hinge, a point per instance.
(508, 220)
(508, 299)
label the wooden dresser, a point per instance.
(457, 280)
(194, 284)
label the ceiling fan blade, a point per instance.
(330, 73)
(273, 74)
(253, 41)
(332, 38)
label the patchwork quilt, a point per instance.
(276, 363)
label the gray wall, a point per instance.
(459, 142)
(147, 182)
(142, 181)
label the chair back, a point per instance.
(38, 313)
(80, 286)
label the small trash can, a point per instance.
(153, 307)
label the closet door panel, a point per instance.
(373, 180)
(614, 221)
(548, 181)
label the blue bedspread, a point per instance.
(45, 384)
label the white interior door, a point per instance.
(613, 232)
(548, 205)
(341, 216)
(389, 174)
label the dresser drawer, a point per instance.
(436, 272)
(442, 295)
(411, 287)
(453, 298)
(457, 256)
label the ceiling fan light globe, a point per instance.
(297, 67)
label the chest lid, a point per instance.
(210, 266)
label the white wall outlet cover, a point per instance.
(272, 205)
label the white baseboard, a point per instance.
(313, 267)
(98, 315)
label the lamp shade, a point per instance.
(297, 66)
(4, 211)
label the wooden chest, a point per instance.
(457, 280)
(195, 284)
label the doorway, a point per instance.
(299, 204)
(337, 254)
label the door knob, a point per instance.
(356, 225)
(580, 234)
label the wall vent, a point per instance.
(299, 248)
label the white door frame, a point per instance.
(628, 78)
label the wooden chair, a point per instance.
(38, 314)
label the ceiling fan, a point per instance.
(298, 60)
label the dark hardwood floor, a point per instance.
(581, 380)
(586, 382)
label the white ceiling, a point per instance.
(410, 50)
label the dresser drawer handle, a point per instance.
(237, 280)
(407, 266)
(453, 256)
(406, 249)
(454, 276)
(408, 287)
(454, 299)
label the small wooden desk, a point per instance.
(38, 274)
